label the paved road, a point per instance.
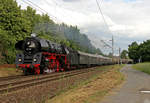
(130, 91)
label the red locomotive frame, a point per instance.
(55, 62)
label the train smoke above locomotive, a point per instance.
(65, 32)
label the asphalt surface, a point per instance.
(132, 90)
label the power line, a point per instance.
(37, 6)
(106, 44)
(99, 8)
(41, 10)
(31, 5)
(106, 25)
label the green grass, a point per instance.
(8, 69)
(4, 72)
(144, 67)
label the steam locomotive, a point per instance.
(40, 56)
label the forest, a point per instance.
(17, 24)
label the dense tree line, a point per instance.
(140, 52)
(16, 24)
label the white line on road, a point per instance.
(145, 91)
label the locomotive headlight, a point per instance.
(19, 60)
(28, 43)
(35, 60)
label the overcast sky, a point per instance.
(128, 20)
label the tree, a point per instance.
(124, 54)
(144, 51)
(134, 51)
(12, 20)
(13, 27)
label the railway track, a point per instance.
(11, 84)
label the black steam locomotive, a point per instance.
(39, 56)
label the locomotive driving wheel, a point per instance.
(49, 67)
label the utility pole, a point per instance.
(120, 62)
(112, 48)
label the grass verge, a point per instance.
(93, 89)
(144, 67)
(4, 72)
